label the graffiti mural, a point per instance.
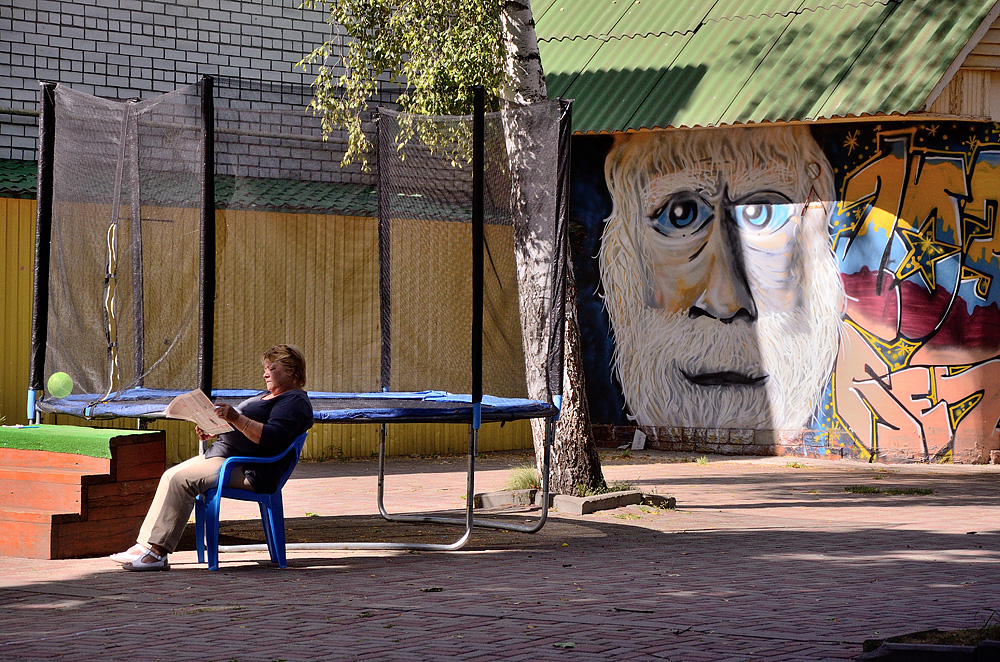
(836, 279)
(914, 232)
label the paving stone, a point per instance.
(759, 562)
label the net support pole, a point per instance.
(478, 160)
(384, 274)
(138, 270)
(558, 317)
(206, 296)
(43, 242)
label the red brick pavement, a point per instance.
(764, 559)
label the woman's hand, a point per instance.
(248, 427)
(202, 436)
(227, 413)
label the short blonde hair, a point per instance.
(290, 359)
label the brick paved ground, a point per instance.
(764, 559)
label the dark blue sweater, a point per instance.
(285, 417)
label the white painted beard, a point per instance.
(795, 351)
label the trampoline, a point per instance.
(409, 407)
(164, 260)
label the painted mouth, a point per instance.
(724, 379)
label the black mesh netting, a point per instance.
(123, 293)
(425, 205)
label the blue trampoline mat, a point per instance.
(383, 407)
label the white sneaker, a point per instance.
(133, 553)
(155, 562)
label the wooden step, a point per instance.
(58, 490)
(107, 520)
(64, 505)
(15, 457)
(106, 500)
(42, 534)
(82, 538)
(26, 532)
(136, 458)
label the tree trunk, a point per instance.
(574, 460)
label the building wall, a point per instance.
(985, 55)
(121, 49)
(974, 91)
(824, 290)
(132, 48)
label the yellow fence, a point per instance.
(343, 441)
(325, 263)
(17, 244)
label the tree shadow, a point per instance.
(605, 586)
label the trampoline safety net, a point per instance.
(124, 265)
(375, 286)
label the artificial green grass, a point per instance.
(95, 442)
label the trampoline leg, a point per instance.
(470, 492)
(381, 473)
(550, 430)
(550, 435)
(469, 520)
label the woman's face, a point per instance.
(276, 379)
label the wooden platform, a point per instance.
(58, 504)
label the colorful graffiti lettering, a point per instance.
(915, 236)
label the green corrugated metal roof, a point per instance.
(18, 179)
(635, 64)
(291, 195)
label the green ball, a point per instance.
(60, 385)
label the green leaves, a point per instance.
(436, 49)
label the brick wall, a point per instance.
(725, 441)
(139, 48)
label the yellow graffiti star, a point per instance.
(852, 141)
(923, 252)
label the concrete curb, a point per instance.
(572, 505)
(504, 498)
(906, 652)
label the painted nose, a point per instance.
(726, 296)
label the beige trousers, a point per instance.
(174, 500)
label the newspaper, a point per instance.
(197, 408)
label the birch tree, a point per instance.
(437, 50)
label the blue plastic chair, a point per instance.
(206, 507)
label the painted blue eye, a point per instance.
(681, 215)
(754, 215)
(763, 215)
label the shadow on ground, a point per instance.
(719, 578)
(373, 528)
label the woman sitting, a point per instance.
(263, 426)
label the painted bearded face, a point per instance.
(723, 293)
